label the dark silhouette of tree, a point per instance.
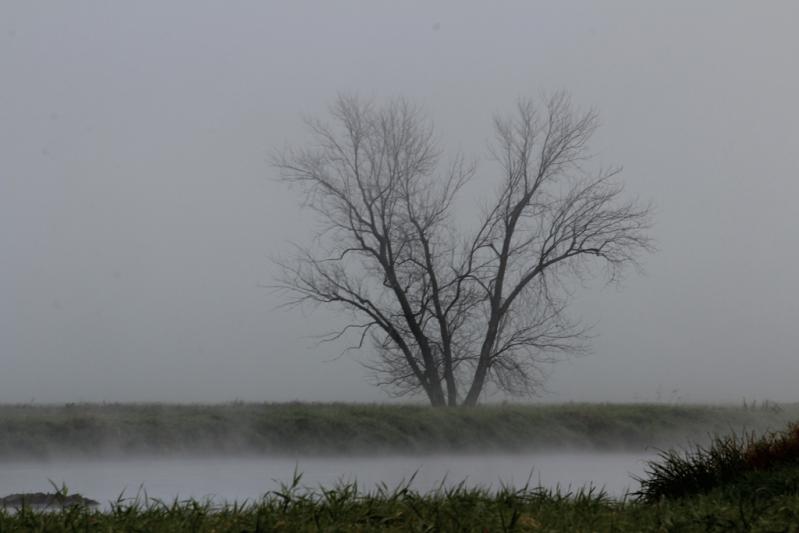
(450, 311)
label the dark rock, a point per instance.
(45, 499)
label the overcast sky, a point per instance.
(138, 208)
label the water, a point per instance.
(227, 479)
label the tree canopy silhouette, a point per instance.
(451, 309)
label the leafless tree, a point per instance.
(451, 312)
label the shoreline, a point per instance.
(317, 430)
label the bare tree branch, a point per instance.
(449, 313)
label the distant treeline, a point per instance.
(91, 430)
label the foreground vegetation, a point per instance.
(759, 466)
(731, 508)
(92, 430)
(733, 484)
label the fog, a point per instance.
(139, 210)
(229, 479)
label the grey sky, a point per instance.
(138, 209)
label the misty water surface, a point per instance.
(238, 479)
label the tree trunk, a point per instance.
(481, 372)
(434, 390)
(477, 387)
(436, 396)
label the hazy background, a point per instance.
(138, 209)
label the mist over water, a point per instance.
(228, 479)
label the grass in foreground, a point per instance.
(764, 465)
(459, 509)
(735, 484)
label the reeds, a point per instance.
(725, 460)
(341, 508)
(459, 508)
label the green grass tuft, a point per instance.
(729, 460)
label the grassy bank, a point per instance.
(28, 431)
(345, 509)
(733, 484)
